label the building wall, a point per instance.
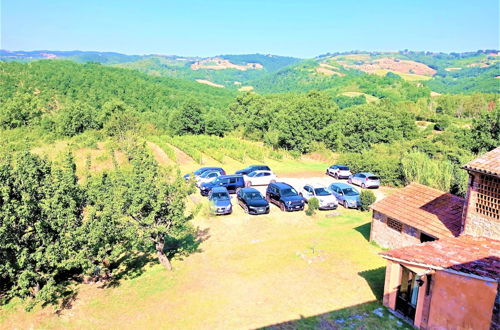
(474, 223)
(389, 238)
(460, 302)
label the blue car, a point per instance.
(364, 180)
(252, 201)
(346, 195)
(202, 170)
(231, 182)
(220, 201)
(284, 196)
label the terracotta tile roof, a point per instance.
(433, 211)
(488, 163)
(466, 254)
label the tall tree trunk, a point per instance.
(162, 257)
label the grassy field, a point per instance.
(280, 270)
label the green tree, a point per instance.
(367, 198)
(20, 110)
(76, 118)
(485, 131)
(156, 204)
(41, 209)
(188, 119)
(216, 123)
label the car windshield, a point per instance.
(350, 192)
(343, 168)
(199, 171)
(373, 178)
(205, 174)
(253, 196)
(288, 192)
(252, 174)
(220, 196)
(321, 192)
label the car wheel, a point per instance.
(245, 208)
(345, 205)
(363, 186)
(349, 181)
(282, 206)
(248, 184)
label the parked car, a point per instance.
(207, 176)
(220, 201)
(259, 178)
(200, 171)
(346, 195)
(365, 180)
(230, 182)
(252, 201)
(253, 168)
(339, 171)
(285, 196)
(326, 199)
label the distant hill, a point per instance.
(440, 72)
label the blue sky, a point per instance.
(205, 28)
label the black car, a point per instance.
(202, 170)
(252, 168)
(285, 196)
(231, 182)
(252, 201)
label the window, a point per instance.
(488, 197)
(394, 224)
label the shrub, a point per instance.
(442, 123)
(312, 206)
(367, 198)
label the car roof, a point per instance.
(262, 171)
(249, 190)
(315, 185)
(219, 189)
(340, 165)
(341, 185)
(367, 173)
(281, 185)
(231, 176)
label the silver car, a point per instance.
(365, 180)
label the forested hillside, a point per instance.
(78, 167)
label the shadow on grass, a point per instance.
(132, 266)
(375, 279)
(370, 315)
(364, 230)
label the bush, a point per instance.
(367, 198)
(442, 123)
(312, 206)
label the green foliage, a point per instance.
(366, 125)
(312, 206)
(485, 131)
(442, 123)
(20, 110)
(187, 119)
(418, 167)
(367, 198)
(41, 209)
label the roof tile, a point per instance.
(433, 211)
(465, 254)
(488, 163)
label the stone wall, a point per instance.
(389, 238)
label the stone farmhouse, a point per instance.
(443, 271)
